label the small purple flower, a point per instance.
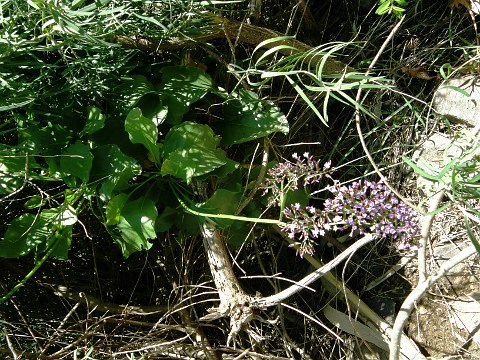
(361, 207)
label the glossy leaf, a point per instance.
(222, 202)
(137, 225)
(134, 88)
(153, 108)
(49, 140)
(112, 169)
(23, 235)
(77, 160)
(166, 219)
(95, 121)
(191, 150)
(62, 239)
(29, 231)
(12, 173)
(248, 118)
(181, 86)
(114, 208)
(142, 130)
(35, 202)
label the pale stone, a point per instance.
(456, 106)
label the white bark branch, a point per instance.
(314, 276)
(416, 295)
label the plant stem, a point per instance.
(31, 273)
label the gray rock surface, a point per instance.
(454, 104)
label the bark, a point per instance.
(237, 31)
(234, 302)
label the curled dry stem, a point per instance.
(358, 124)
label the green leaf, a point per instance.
(142, 130)
(95, 121)
(237, 234)
(297, 196)
(137, 225)
(181, 86)
(29, 231)
(383, 8)
(153, 108)
(49, 140)
(114, 209)
(134, 88)
(166, 219)
(23, 235)
(191, 150)
(35, 202)
(248, 118)
(64, 216)
(77, 160)
(419, 171)
(63, 238)
(112, 169)
(471, 234)
(12, 173)
(222, 202)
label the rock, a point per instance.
(431, 156)
(456, 105)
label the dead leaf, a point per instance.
(457, 3)
(418, 72)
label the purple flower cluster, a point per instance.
(304, 226)
(361, 207)
(370, 207)
(286, 176)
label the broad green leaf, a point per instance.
(114, 208)
(112, 169)
(191, 150)
(12, 174)
(188, 225)
(134, 88)
(153, 108)
(223, 171)
(77, 160)
(166, 219)
(237, 234)
(248, 118)
(383, 8)
(95, 121)
(23, 235)
(29, 231)
(142, 130)
(137, 225)
(63, 239)
(49, 140)
(35, 202)
(181, 86)
(60, 216)
(297, 196)
(222, 202)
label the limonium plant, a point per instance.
(361, 207)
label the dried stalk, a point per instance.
(417, 294)
(235, 30)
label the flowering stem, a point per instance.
(230, 217)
